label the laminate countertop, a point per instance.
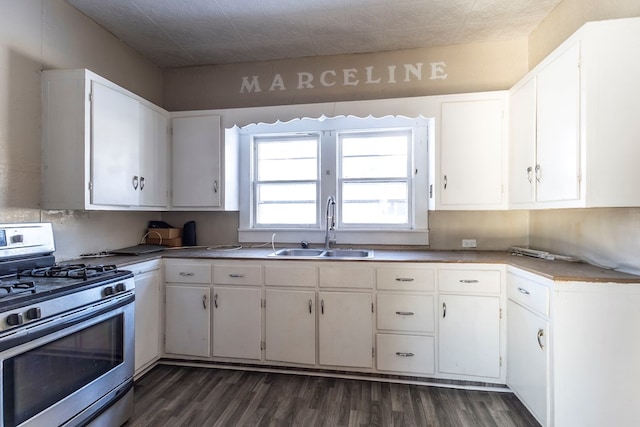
(557, 270)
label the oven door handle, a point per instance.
(63, 321)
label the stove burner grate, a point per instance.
(11, 289)
(72, 271)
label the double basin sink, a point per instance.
(323, 253)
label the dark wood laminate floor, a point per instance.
(184, 396)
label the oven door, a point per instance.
(70, 369)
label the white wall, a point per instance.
(45, 34)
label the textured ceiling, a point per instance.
(174, 33)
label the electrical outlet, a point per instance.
(469, 243)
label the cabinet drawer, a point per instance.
(188, 273)
(406, 312)
(469, 281)
(405, 353)
(237, 274)
(346, 276)
(405, 279)
(530, 294)
(290, 274)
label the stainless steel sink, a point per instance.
(297, 253)
(323, 253)
(348, 253)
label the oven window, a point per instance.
(37, 379)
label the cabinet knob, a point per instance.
(538, 173)
(134, 182)
(141, 183)
(530, 174)
(445, 182)
(310, 306)
(204, 301)
(215, 186)
(215, 300)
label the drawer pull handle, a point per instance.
(404, 313)
(185, 274)
(236, 275)
(404, 279)
(540, 335)
(469, 281)
(523, 291)
(401, 354)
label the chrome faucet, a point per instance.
(331, 223)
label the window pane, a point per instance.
(294, 159)
(375, 203)
(286, 204)
(375, 156)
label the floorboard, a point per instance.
(198, 397)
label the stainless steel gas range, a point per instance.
(66, 335)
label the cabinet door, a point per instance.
(469, 335)
(114, 147)
(527, 358)
(558, 129)
(291, 326)
(196, 161)
(148, 318)
(345, 329)
(237, 322)
(471, 153)
(154, 151)
(522, 144)
(187, 320)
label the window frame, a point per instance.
(370, 234)
(408, 178)
(255, 182)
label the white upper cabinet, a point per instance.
(573, 123)
(468, 160)
(204, 164)
(103, 146)
(154, 158)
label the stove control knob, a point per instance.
(33, 313)
(108, 291)
(121, 287)
(15, 319)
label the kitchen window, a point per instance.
(375, 168)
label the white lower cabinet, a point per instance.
(148, 318)
(345, 329)
(412, 354)
(187, 308)
(237, 322)
(188, 320)
(469, 335)
(290, 325)
(527, 358)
